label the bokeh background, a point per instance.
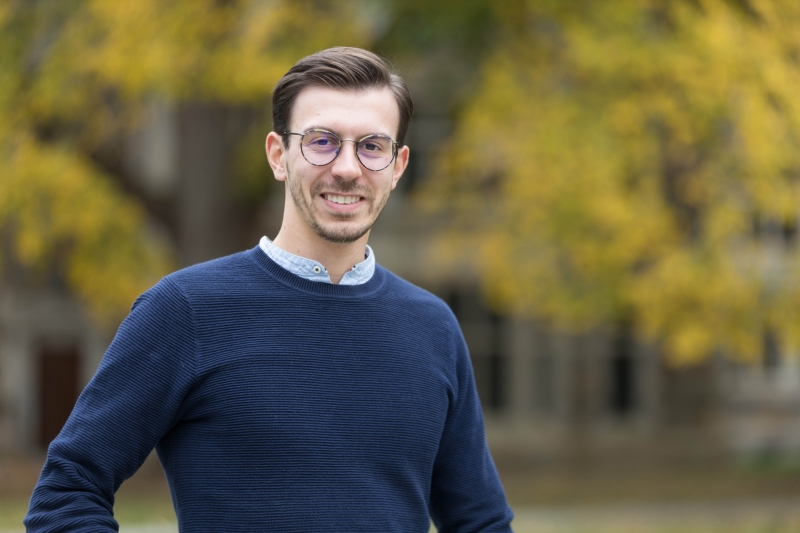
(606, 194)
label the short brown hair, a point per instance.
(339, 68)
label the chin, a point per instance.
(337, 234)
(342, 237)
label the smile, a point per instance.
(341, 199)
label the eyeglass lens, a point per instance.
(321, 147)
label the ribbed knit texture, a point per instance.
(277, 404)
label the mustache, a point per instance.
(342, 187)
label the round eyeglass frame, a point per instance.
(339, 150)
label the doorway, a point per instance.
(59, 375)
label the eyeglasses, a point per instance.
(321, 147)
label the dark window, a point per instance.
(789, 230)
(497, 399)
(490, 379)
(497, 364)
(489, 363)
(543, 386)
(452, 300)
(58, 389)
(772, 355)
(622, 372)
(622, 385)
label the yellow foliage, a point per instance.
(76, 77)
(616, 159)
(62, 212)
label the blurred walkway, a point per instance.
(733, 516)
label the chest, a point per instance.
(297, 392)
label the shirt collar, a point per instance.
(316, 271)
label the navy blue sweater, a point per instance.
(277, 404)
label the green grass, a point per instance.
(766, 527)
(144, 510)
(12, 511)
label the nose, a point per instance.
(346, 165)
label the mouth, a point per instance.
(342, 199)
(343, 203)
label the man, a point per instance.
(297, 386)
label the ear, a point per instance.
(275, 155)
(400, 164)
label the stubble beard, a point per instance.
(335, 235)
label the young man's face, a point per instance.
(340, 201)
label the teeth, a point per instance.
(339, 199)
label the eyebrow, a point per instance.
(326, 128)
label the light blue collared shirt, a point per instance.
(315, 271)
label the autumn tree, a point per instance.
(636, 160)
(77, 76)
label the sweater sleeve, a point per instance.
(466, 494)
(130, 403)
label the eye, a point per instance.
(374, 146)
(320, 141)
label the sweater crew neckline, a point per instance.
(294, 281)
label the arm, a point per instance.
(466, 494)
(130, 403)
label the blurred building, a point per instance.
(48, 352)
(546, 394)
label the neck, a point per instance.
(337, 259)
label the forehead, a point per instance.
(345, 112)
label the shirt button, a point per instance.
(317, 269)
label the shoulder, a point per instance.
(199, 281)
(221, 270)
(218, 275)
(425, 304)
